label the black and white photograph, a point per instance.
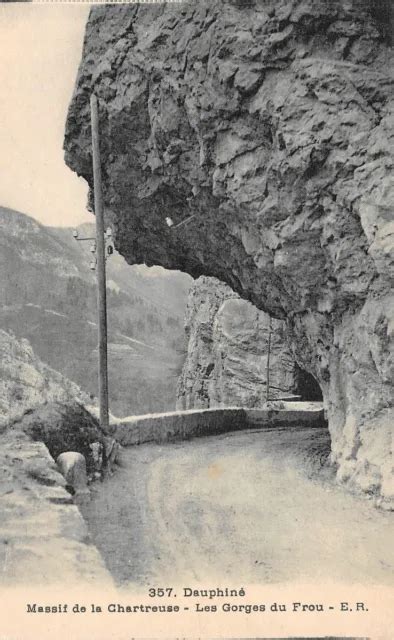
(197, 319)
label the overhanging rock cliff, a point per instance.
(272, 123)
(226, 361)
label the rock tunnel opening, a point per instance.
(307, 386)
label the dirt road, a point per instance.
(242, 507)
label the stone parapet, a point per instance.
(180, 425)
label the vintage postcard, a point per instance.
(197, 319)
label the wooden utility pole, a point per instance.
(101, 279)
(268, 360)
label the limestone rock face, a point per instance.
(226, 362)
(43, 538)
(272, 123)
(26, 382)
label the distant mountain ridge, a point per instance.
(49, 297)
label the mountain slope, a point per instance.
(49, 297)
(26, 382)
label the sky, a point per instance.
(40, 52)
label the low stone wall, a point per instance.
(293, 414)
(177, 425)
(43, 537)
(181, 425)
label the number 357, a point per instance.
(160, 592)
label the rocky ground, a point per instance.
(256, 506)
(43, 538)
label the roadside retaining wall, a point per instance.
(182, 425)
(177, 425)
(293, 414)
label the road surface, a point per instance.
(239, 508)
